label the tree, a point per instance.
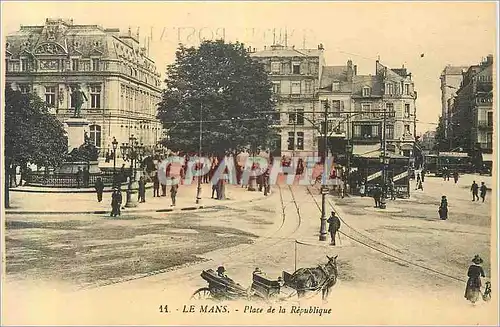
(32, 135)
(219, 84)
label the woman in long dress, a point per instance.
(443, 208)
(475, 272)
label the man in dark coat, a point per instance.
(173, 191)
(86, 177)
(142, 190)
(333, 226)
(377, 194)
(483, 190)
(156, 185)
(123, 174)
(474, 189)
(116, 202)
(455, 176)
(99, 188)
(79, 176)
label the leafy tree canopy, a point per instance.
(219, 84)
(32, 134)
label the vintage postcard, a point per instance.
(249, 163)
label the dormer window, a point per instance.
(336, 86)
(97, 43)
(366, 91)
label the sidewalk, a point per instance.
(86, 203)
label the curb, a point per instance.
(100, 212)
(66, 191)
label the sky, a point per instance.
(455, 33)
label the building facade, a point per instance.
(303, 85)
(390, 90)
(295, 75)
(451, 78)
(120, 82)
(472, 110)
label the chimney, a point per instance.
(489, 59)
(320, 47)
(355, 70)
(350, 71)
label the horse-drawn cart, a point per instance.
(220, 287)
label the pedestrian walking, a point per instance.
(455, 176)
(483, 190)
(156, 185)
(116, 202)
(377, 194)
(473, 287)
(422, 174)
(443, 208)
(445, 172)
(99, 188)
(362, 189)
(333, 226)
(420, 186)
(79, 176)
(142, 190)
(173, 191)
(474, 189)
(418, 177)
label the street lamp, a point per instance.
(115, 145)
(324, 188)
(134, 151)
(384, 159)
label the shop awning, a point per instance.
(378, 154)
(361, 150)
(487, 157)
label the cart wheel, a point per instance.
(202, 294)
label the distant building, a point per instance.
(428, 140)
(120, 81)
(295, 74)
(472, 110)
(451, 78)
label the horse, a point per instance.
(323, 277)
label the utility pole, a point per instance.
(324, 189)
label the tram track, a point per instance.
(378, 246)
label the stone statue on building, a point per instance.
(78, 98)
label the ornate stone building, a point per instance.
(295, 74)
(121, 83)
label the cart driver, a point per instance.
(221, 273)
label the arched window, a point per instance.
(95, 135)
